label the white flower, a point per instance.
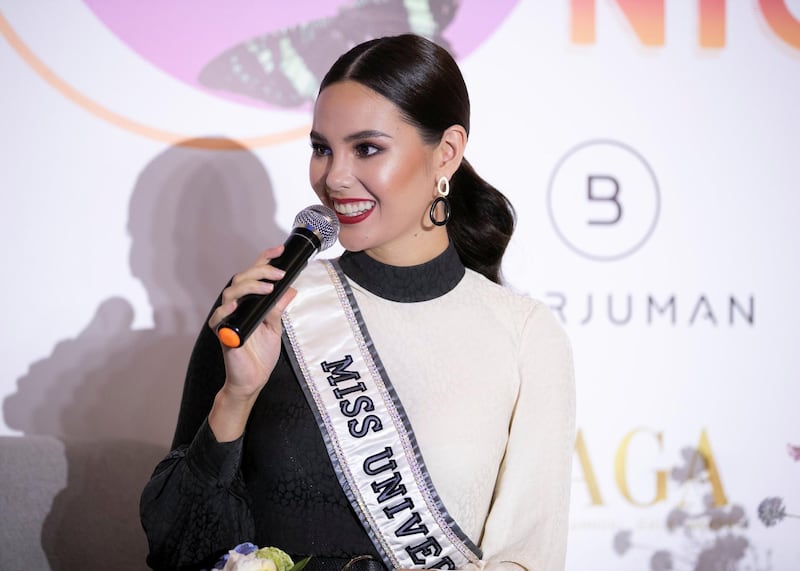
(249, 562)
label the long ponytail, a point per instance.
(481, 223)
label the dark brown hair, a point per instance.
(424, 82)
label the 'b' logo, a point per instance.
(603, 200)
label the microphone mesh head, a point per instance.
(322, 221)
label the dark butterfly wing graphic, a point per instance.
(284, 68)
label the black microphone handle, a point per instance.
(234, 330)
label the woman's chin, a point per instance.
(351, 243)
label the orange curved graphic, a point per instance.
(128, 124)
(782, 21)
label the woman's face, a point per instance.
(376, 172)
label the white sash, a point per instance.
(366, 431)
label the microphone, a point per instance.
(315, 229)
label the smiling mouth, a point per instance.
(352, 211)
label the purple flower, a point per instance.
(676, 518)
(721, 518)
(726, 553)
(694, 464)
(245, 548)
(661, 561)
(771, 511)
(794, 452)
(622, 542)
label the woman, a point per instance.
(476, 381)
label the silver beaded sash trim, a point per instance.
(366, 431)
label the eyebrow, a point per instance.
(366, 134)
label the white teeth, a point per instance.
(353, 208)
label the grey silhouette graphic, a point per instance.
(196, 217)
(284, 68)
(100, 411)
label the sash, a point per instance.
(365, 429)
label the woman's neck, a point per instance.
(414, 283)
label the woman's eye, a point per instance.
(320, 150)
(366, 149)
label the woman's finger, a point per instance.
(258, 272)
(273, 317)
(257, 279)
(269, 254)
(221, 313)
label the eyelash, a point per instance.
(367, 149)
(363, 150)
(320, 150)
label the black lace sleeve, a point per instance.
(195, 506)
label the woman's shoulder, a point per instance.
(528, 314)
(483, 287)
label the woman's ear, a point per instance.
(451, 150)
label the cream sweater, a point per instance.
(486, 378)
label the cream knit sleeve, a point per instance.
(527, 522)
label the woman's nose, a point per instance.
(339, 175)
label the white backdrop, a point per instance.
(655, 178)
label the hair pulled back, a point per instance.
(424, 82)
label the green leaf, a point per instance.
(300, 564)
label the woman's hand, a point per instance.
(248, 367)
